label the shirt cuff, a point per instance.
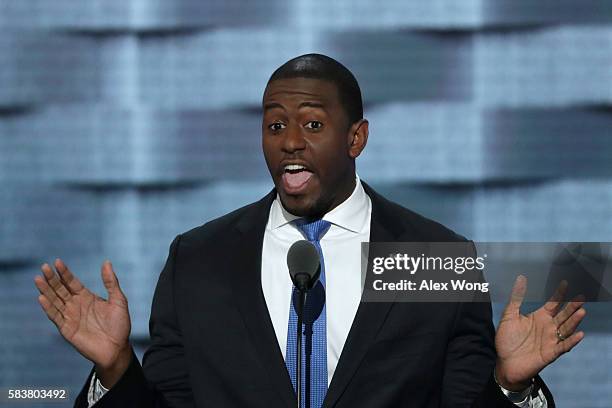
(96, 391)
(526, 398)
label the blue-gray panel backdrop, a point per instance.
(125, 122)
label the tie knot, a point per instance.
(313, 230)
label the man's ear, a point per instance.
(358, 137)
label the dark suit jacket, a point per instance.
(213, 343)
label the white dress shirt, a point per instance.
(341, 247)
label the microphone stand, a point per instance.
(308, 354)
(298, 374)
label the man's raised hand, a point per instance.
(527, 344)
(99, 329)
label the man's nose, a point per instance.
(294, 139)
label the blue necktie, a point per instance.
(314, 327)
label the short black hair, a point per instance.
(319, 66)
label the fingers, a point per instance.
(553, 304)
(56, 290)
(516, 297)
(567, 321)
(570, 317)
(571, 324)
(54, 293)
(47, 291)
(73, 284)
(569, 343)
(50, 310)
(55, 283)
(569, 309)
(111, 283)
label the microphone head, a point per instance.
(304, 264)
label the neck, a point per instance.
(344, 192)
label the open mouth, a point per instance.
(296, 178)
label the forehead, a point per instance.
(301, 89)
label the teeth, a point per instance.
(294, 167)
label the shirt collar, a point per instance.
(351, 214)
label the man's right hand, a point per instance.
(99, 329)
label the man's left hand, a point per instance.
(527, 344)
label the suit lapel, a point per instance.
(246, 283)
(370, 316)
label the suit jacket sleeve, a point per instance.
(162, 380)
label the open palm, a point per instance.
(527, 344)
(97, 328)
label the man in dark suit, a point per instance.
(221, 316)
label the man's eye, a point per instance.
(276, 126)
(314, 124)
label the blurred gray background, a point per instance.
(125, 122)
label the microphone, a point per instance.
(304, 269)
(304, 265)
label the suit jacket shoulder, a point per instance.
(217, 228)
(407, 222)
